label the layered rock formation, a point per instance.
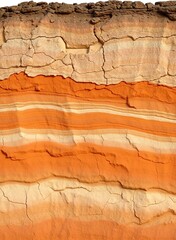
(88, 121)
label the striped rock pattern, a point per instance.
(88, 127)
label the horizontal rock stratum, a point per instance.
(88, 121)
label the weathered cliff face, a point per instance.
(88, 121)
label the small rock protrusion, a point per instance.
(149, 6)
(118, 4)
(95, 20)
(42, 4)
(138, 5)
(66, 9)
(127, 5)
(81, 8)
(54, 6)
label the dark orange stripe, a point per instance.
(52, 119)
(23, 83)
(88, 163)
(63, 229)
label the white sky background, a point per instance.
(4, 3)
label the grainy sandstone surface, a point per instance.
(88, 121)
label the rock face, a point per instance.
(88, 121)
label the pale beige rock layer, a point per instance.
(98, 201)
(127, 48)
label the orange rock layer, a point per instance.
(86, 161)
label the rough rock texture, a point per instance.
(88, 121)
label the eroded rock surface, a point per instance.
(88, 121)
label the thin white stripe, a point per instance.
(83, 108)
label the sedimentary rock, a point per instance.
(88, 121)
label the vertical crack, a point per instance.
(3, 35)
(134, 210)
(26, 204)
(104, 61)
(40, 190)
(103, 53)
